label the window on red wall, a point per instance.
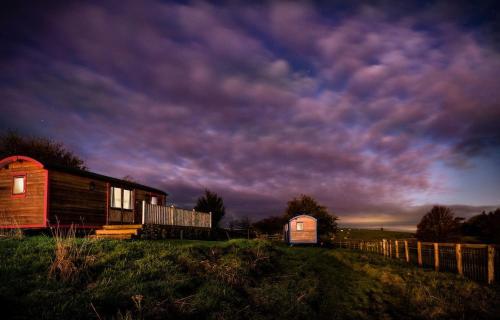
(19, 185)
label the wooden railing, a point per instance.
(479, 262)
(172, 216)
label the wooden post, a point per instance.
(384, 246)
(407, 252)
(419, 251)
(436, 256)
(397, 249)
(210, 219)
(491, 264)
(143, 211)
(458, 253)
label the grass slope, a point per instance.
(366, 234)
(230, 280)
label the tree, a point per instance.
(438, 225)
(484, 226)
(42, 149)
(211, 202)
(327, 225)
(271, 225)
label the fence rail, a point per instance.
(479, 262)
(271, 237)
(172, 216)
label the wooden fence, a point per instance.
(172, 216)
(271, 237)
(479, 262)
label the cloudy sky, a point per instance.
(377, 110)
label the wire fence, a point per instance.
(480, 262)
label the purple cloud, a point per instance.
(260, 102)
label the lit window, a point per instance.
(121, 198)
(300, 226)
(127, 199)
(19, 185)
(116, 197)
(154, 200)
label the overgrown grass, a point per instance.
(72, 257)
(240, 279)
(13, 233)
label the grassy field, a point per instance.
(367, 234)
(242, 279)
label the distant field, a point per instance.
(239, 279)
(366, 234)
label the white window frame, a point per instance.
(154, 200)
(301, 224)
(129, 204)
(14, 179)
(120, 204)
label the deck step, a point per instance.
(119, 231)
(113, 236)
(121, 226)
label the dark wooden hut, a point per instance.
(37, 195)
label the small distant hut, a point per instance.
(302, 229)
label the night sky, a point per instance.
(377, 111)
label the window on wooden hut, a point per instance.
(154, 200)
(127, 199)
(116, 197)
(121, 198)
(19, 185)
(300, 226)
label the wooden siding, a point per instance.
(74, 201)
(307, 235)
(26, 210)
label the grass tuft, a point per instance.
(72, 256)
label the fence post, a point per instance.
(143, 211)
(436, 256)
(384, 247)
(390, 248)
(458, 253)
(407, 252)
(419, 251)
(210, 219)
(491, 264)
(397, 249)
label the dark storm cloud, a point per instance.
(258, 102)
